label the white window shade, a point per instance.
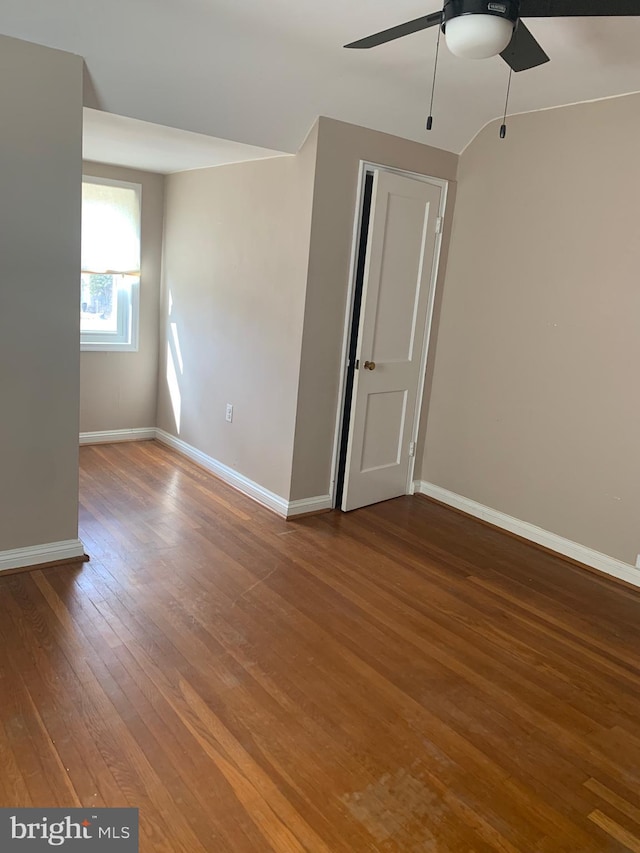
(110, 228)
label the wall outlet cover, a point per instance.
(229, 413)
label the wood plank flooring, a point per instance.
(397, 679)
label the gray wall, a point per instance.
(40, 191)
(119, 390)
(340, 148)
(535, 408)
(235, 267)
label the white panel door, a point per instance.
(398, 276)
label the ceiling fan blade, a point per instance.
(398, 32)
(523, 51)
(578, 8)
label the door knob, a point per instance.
(369, 365)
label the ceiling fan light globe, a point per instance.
(478, 36)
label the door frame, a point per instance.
(366, 167)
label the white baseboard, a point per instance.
(35, 555)
(306, 505)
(233, 478)
(108, 436)
(601, 562)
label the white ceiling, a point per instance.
(260, 72)
(123, 141)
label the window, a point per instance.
(110, 277)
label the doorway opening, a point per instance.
(353, 334)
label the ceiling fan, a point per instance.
(478, 29)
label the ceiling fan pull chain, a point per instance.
(503, 127)
(433, 87)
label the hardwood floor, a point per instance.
(397, 679)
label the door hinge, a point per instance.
(439, 225)
(412, 448)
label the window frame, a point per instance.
(126, 339)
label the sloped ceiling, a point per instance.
(260, 72)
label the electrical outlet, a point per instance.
(638, 562)
(229, 414)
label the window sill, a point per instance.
(104, 347)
